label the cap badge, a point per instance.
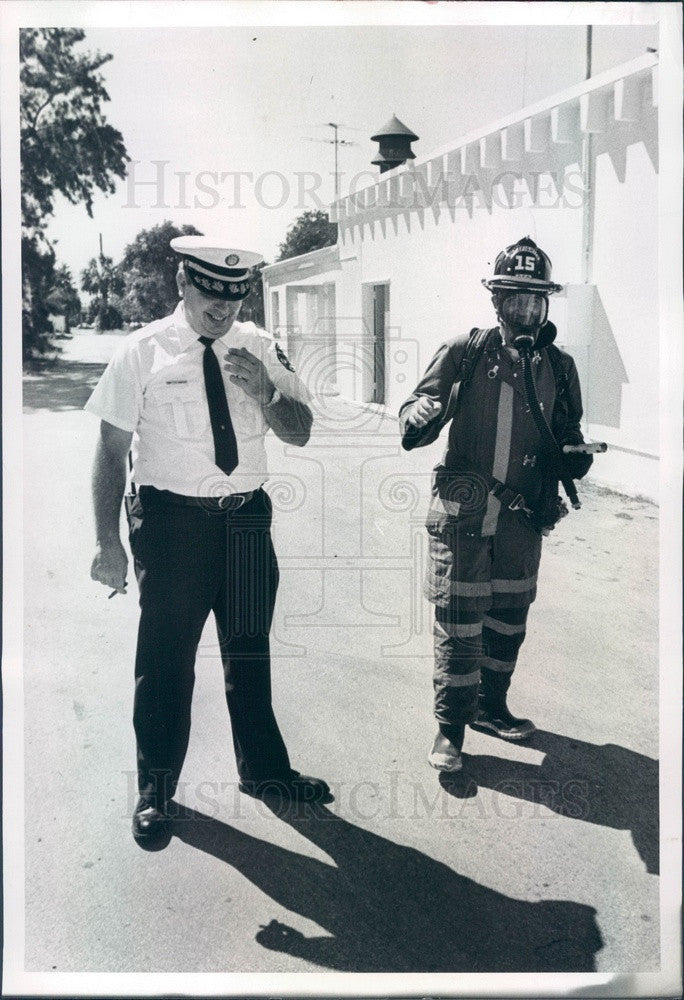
(232, 259)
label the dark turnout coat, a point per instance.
(492, 434)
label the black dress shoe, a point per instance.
(294, 787)
(149, 824)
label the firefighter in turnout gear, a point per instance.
(494, 494)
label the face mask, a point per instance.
(526, 310)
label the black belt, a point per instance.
(233, 501)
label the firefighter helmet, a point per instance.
(523, 266)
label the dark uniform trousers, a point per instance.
(190, 561)
(482, 588)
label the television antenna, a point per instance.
(335, 141)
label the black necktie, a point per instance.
(225, 445)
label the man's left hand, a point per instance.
(247, 371)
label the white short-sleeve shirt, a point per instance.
(154, 387)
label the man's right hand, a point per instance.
(110, 565)
(423, 411)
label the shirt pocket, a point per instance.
(247, 416)
(181, 407)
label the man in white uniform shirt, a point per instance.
(192, 397)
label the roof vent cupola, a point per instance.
(395, 145)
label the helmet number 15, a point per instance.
(527, 266)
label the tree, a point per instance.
(148, 273)
(310, 231)
(67, 146)
(103, 281)
(38, 266)
(63, 297)
(66, 143)
(253, 305)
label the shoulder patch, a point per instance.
(282, 357)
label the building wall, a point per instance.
(434, 267)
(529, 177)
(623, 355)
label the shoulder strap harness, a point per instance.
(474, 348)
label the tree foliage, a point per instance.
(103, 281)
(67, 147)
(66, 143)
(253, 305)
(38, 268)
(310, 231)
(63, 298)
(148, 273)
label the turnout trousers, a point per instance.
(482, 587)
(190, 561)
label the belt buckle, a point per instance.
(231, 502)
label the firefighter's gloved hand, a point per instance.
(576, 463)
(423, 411)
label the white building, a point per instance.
(578, 173)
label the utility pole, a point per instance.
(103, 288)
(588, 61)
(334, 126)
(588, 229)
(588, 171)
(103, 282)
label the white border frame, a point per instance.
(113, 13)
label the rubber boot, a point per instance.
(446, 750)
(493, 715)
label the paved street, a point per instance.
(543, 857)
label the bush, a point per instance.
(108, 318)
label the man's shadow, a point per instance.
(391, 908)
(607, 785)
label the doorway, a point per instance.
(380, 325)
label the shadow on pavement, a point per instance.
(391, 908)
(607, 785)
(66, 385)
(617, 986)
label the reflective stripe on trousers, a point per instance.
(473, 651)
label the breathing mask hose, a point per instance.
(524, 344)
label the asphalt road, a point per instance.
(544, 857)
